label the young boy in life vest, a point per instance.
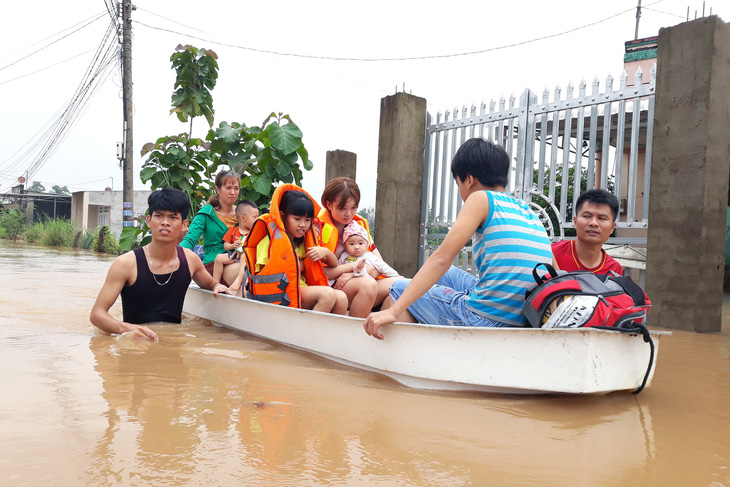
(357, 241)
(246, 213)
(508, 241)
(594, 221)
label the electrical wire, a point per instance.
(107, 55)
(94, 19)
(111, 8)
(43, 69)
(662, 12)
(72, 185)
(411, 58)
(170, 20)
(71, 114)
(99, 70)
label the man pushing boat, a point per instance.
(153, 279)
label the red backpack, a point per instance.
(581, 298)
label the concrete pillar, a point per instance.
(689, 176)
(400, 180)
(340, 163)
(29, 209)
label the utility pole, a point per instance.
(638, 16)
(128, 107)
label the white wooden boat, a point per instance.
(505, 360)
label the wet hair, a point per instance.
(220, 180)
(339, 190)
(296, 203)
(598, 197)
(482, 159)
(169, 199)
(242, 205)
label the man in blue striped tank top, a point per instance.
(508, 241)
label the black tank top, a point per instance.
(145, 301)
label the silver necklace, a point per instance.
(174, 267)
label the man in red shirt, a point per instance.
(594, 221)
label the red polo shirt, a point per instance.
(567, 259)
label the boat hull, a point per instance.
(505, 360)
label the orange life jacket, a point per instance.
(329, 235)
(278, 281)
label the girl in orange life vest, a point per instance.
(340, 200)
(295, 260)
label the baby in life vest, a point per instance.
(357, 240)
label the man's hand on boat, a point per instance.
(375, 320)
(220, 288)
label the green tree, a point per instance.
(37, 187)
(13, 222)
(543, 203)
(181, 161)
(60, 189)
(263, 155)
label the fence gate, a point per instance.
(559, 148)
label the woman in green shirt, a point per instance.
(213, 221)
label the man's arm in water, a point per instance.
(119, 274)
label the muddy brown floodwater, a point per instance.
(209, 406)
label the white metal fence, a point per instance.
(559, 148)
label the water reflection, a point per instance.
(175, 407)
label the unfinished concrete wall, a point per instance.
(85, 208)
(340, 163)
(689, 176)
(400, 180)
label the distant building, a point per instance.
(37, 206)
(92, 209)
(641, 53)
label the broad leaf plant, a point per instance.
(263, 155)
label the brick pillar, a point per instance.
(689, 176)
(400, 180)
(340, 163)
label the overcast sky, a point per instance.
(336, 103)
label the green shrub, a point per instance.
(11, 224)
(87, 241)
(34, 232)
(103, 241)
(59, 232)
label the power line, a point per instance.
(111, 9)
(411, 58)
(94, 19)
(665, 13)
(107, 54)
(43, 69)
(71, 114)
(72, 185)
(170, 20)
(95, 16)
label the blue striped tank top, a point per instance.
(507, 246)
